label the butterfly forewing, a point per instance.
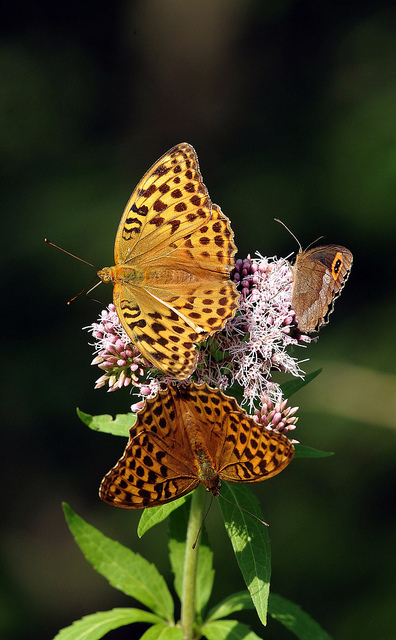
(189, 435)
(169, 197)
(174, 251)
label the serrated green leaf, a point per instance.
(302, 451)
(292, 386)
(97, 625)
(228, 630)
(118, 426)
(154, 515)
(125, 570)
(250, 542)
(178, 522)
(295, 619)
(235, 602)
(162, 632)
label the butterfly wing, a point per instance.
(188, 435)
(179, 306)
(241, 449)
(319, 275)
(252, 453)
(162, 336)
(170, 197)
(157, 465)
(181, 250)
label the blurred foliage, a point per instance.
(292, 109)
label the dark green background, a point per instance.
(291, 107)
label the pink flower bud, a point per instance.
(145, 391)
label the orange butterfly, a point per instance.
(189, 435)
(173, 255)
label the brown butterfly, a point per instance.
(319, 276)
(188, 435)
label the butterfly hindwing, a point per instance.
(257, 454)
(161, 335)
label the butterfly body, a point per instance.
(187, 436)
(121, 275)
(209, 478)
(151, 276)
(319, 276)
(173, 255)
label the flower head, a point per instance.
(121, 361)
(277, 417)
(251, 347)
(254, 343)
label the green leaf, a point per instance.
(154, 515)
(228, 630)
(162, 632)
(290, 387)
(96, 625)
(177, 548)
(124, 569)
(235, 602)
(295, 619)
(302, 451)
(289, 614)
(250, 542)
(118, 426)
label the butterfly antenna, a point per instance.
(311, 243)
(81, 260)
(69, 254)
(241, 508)
(202, 523)
(86, 287)
(291, 233)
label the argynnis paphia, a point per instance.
(173, 255)
(189, 435)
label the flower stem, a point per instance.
(190, 564)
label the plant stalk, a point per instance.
(190, 564)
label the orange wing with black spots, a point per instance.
(189, 435)
(174, 251)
